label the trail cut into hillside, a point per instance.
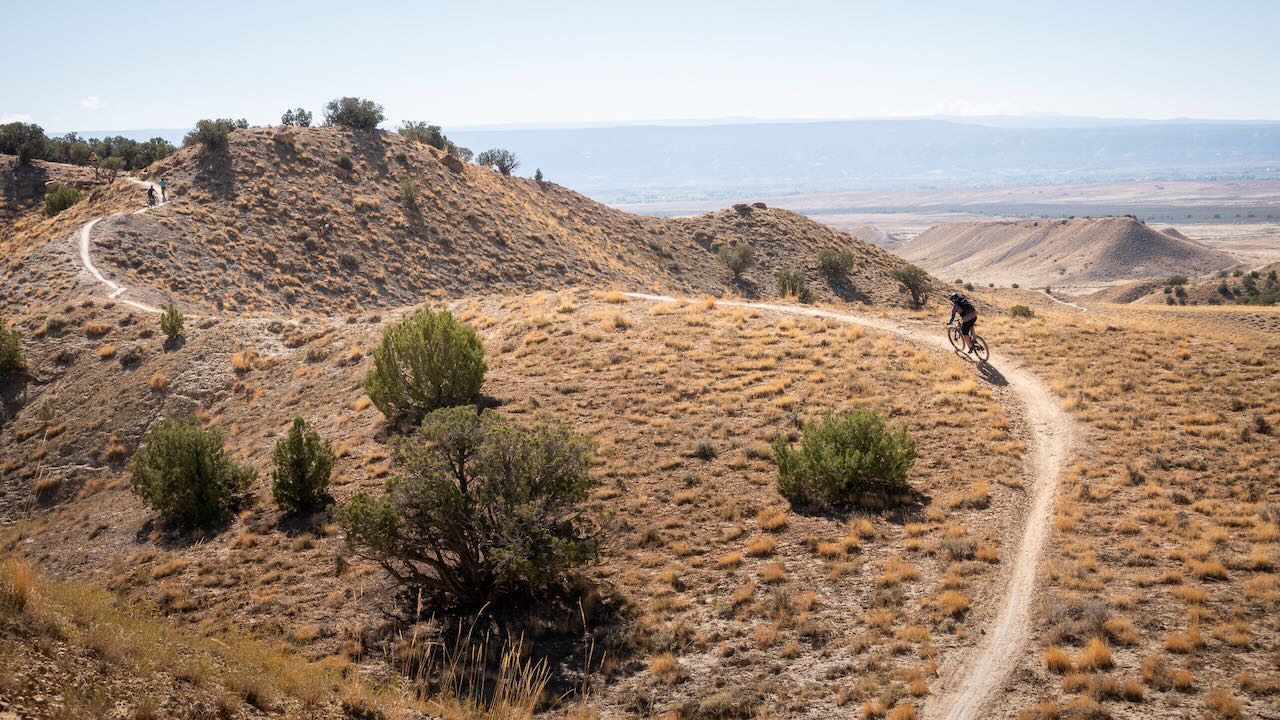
(329, 219)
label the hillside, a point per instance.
(278, 222)
(1259, 286)
(1054, 252)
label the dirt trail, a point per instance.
(115, 290)
(970, 680)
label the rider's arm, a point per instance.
(953, 315)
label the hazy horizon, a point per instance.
(566, 64)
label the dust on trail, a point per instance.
(969, 682)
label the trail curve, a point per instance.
(968, 684)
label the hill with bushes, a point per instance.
(321, 219)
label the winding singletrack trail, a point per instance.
(969, 683)
(114, 290)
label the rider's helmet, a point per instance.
(956, 297)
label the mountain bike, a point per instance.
(980, 348)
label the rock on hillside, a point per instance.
(1051, 252)
(325, 219)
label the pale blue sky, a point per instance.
(126, 65)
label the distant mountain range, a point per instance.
(645, 163)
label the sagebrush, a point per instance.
(184, 473)
(425, 362)
(842, 460)
(485, 509)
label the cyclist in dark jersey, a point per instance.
(960, 305)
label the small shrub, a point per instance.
(486, 509)
(11, 359)
(537, 177)
(968, 286)
(303, 461)
(425, 362)
(915, 281)
(792, 283)
(184, 473)
(504, 161)
(171, 322)
(424, 133)
(344, 161)
(355, 113)
(213, 134)
(60, 199)
(1021, 311)
(836, 263)
(297, 117)
(842, 458)
(409, 192)
(737, 258)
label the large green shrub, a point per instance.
(303, 462)
(184, 473)
(737, 258)
(171, 322)
(60, 199)
(424, 362)
(844, 459)
(485, 508)
(915, 281)
(213, 134)
(11, 359)
(836, 263)
(353, 112)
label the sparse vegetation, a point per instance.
(213, 134)
(915, 281)
(424, 133)
(184, 473)
(171, 322)
(504, 161)
(1021, 312)
(60, 199)
(303, 462)
(408, 191)
(11, 358)
(792, 284)
(353, 112)
(486, 508)
(844, 458)
(738, 258)
(425, 362)
(836, 263)
(296, 117)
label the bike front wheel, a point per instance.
(953, 334)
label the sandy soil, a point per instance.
(970, 680)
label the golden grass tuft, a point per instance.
(158, 381)
(1056, 659)
(761, 546)
(106, 352)
(953, 602)
(1221, 703)
(771, 519)
(1095, 656)
(17, 586)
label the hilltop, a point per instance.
(323, 219)
(1053, 252)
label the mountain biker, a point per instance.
(164, 191)
(151, 195)
(960, 305)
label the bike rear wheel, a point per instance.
(980, 348)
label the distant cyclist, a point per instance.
(961, 306)
(164, 190)
(151, 195)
